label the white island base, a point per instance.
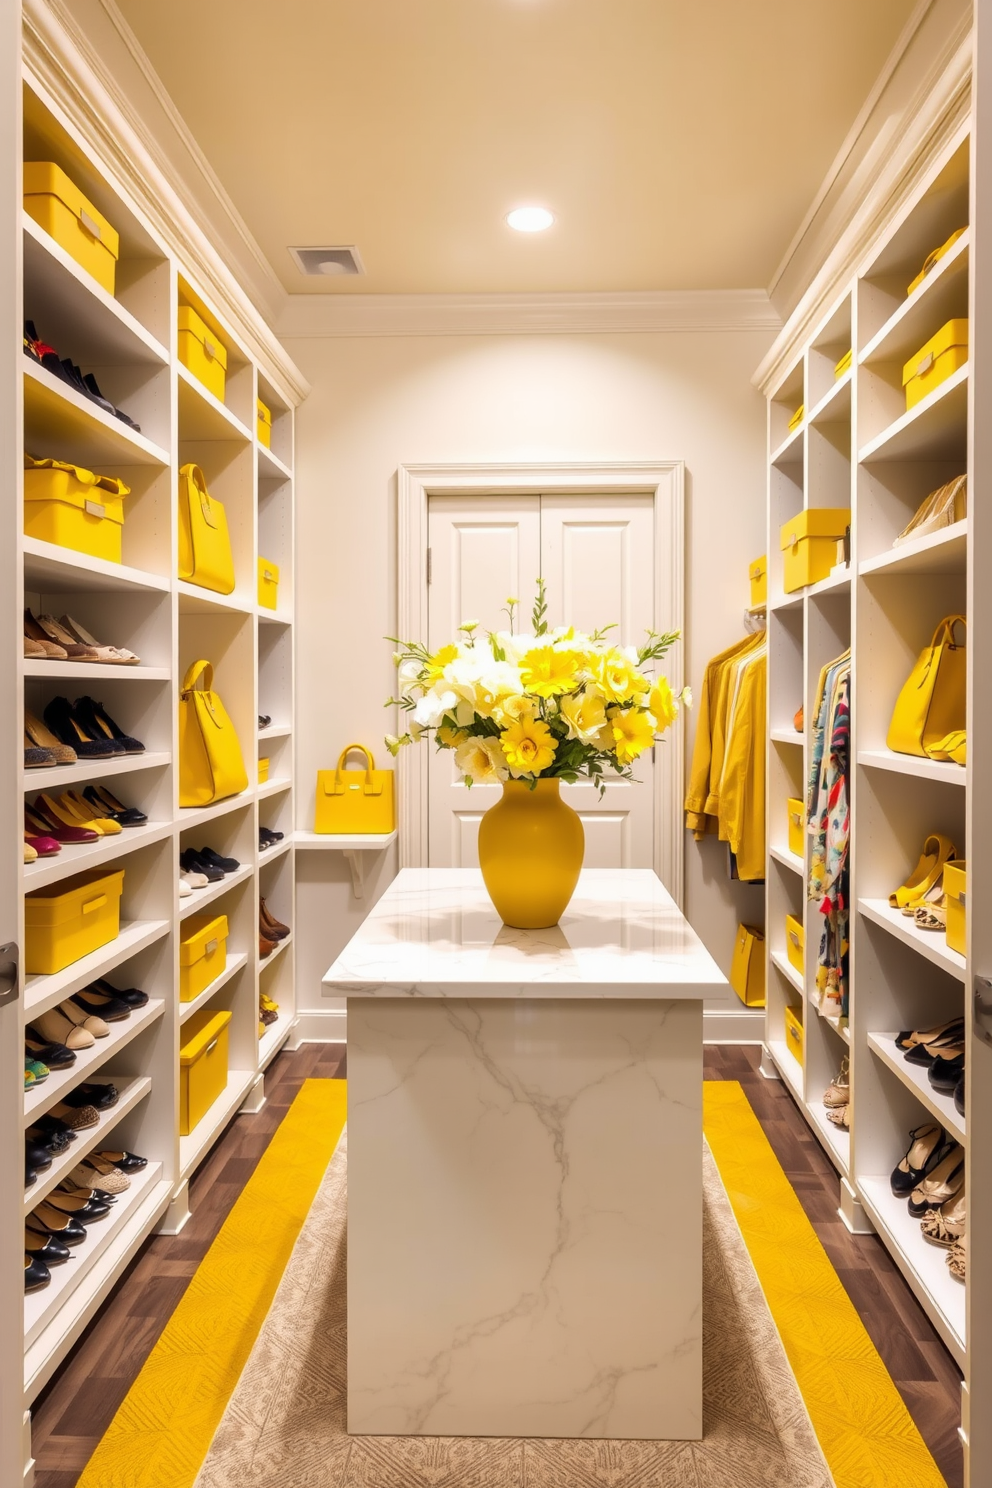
(525, 1165)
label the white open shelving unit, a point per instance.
(129, 342)
(858, 447)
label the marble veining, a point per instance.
(434, 933)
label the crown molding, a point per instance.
(330, 315)
(908, 144)
(59, 56)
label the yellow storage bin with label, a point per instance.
(794, 1033)
(933, 259)
(758, 574)
(942, 356)
(202, 1066)
(809, 545)
(70, 920)
(268, 584)
(955, 887)
(72, 507)
(797, 822)
(747, 969)
(264, 424)
(202, 953)
(201, 352)
(61, 210)
(795, 941)
(263, 771)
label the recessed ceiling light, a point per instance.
(530, 219)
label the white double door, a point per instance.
(597, 558)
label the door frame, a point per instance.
(664, 482)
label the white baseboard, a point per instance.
(330, 1026)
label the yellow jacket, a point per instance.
(702, 802)
(742, 787)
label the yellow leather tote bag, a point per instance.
(211, 766)
(747, 968)
(931, 704)
(204, 542)
(355, 800)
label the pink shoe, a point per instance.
(45, 847)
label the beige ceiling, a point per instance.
(678, 142)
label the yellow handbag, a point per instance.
(210, 763)
(355, 800)
(205, 555)
(747, 969)
(931, 704)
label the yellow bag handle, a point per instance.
(194, 475)
(943, 635)
(370, 788)
(201, 671)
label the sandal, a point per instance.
(945, 1225)
(929, 1145)
(932, 917)
(948, 1040)
(841, 1116)
(957, 1261)
(937, 850)
(838, 1092)
(910, 1038)
(117, 655)
(944, 1182)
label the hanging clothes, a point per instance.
(829, 826)
(727, 780)
(712, 703)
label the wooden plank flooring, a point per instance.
(79, 1403)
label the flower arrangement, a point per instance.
(538, 704)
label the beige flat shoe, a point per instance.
(947, 1224)
(94, 1025)
(77, 1118)
(96, 1173)
(57, 1029)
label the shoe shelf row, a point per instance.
(129, 341)
(857, 447)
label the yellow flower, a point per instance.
(617, 676)
(663, 704)
(437, 663)
(481, 760)
(529, 747)
(585, 718)
(633, 732)
(451, 737)
(548, 671)
(514, 709)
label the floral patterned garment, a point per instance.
(830, 866)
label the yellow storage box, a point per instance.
(202, 1066)
(747, 969)
(60, 208)
(268, 584)
(797, 822)
(201, 352)
(955, 888)
(809, 545)
(933, 259)
(795, 941)
(794, 1033)
(758, 574)
(939, 359)
(202, 953)
(72, 507)
(70, 920)
(264, 424)
(263, 771)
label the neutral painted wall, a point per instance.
(379, 402)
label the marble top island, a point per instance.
(525, 1163)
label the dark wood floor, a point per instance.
(78, 1404)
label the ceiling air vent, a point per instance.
(318, 261)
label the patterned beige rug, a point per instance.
(284, 1426)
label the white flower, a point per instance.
(409, 675)
(685, 697)
(482, 760)
(432, 707)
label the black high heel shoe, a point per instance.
(929, 1146)
(107, 805)
(94, 718)
(68, 730)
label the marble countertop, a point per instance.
(435, 933)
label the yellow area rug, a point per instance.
(160, 1435)
(864, 1429)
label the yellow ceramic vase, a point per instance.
(530, 852)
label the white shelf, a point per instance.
(92, 671)
(835, 405)
(923, 1265)
(273, 956)
(65, 777)
(786, 602)
(275, 731)
(787, 969)
(195, 600)
(788, 859)
(915, 1078)
(345, 842)
(929, 943)
(838, 1025)
(82, 857)
(787, 736)
(788, 1067)
(273, 617)
(835, 1140)
(198, 816)
(44, 992)
(268, 854)
(131, 1092)
(56, 288)
(913, 764)
(41, 1307)
(202, 416)
(272, 1040)
(235, 963)
(833, 584)
(200, 898)
(935, 428)
(60, 422)
(194, 1148)
(57, 570)
(270, 467)
(790, 451)
(942, 296)
(274, 787)
(942, 552)
(41, 1098)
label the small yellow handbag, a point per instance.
(211, 766)
(205, 556)
(931, 704)
(355, 800)
(747, 969)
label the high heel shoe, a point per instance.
(943, 1182)
(957, 1261)
(913, 1036)
(107, 805)
(929, 1145)
(60, 719)
(926, 1049)
(115, 655)
(838, 1092)
(38, 823)
(937, 850)
(272, 928)
(948, 1223)
(94, 717)
(35, 758)
(75, 649)
(34, 632)
(43, 738)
